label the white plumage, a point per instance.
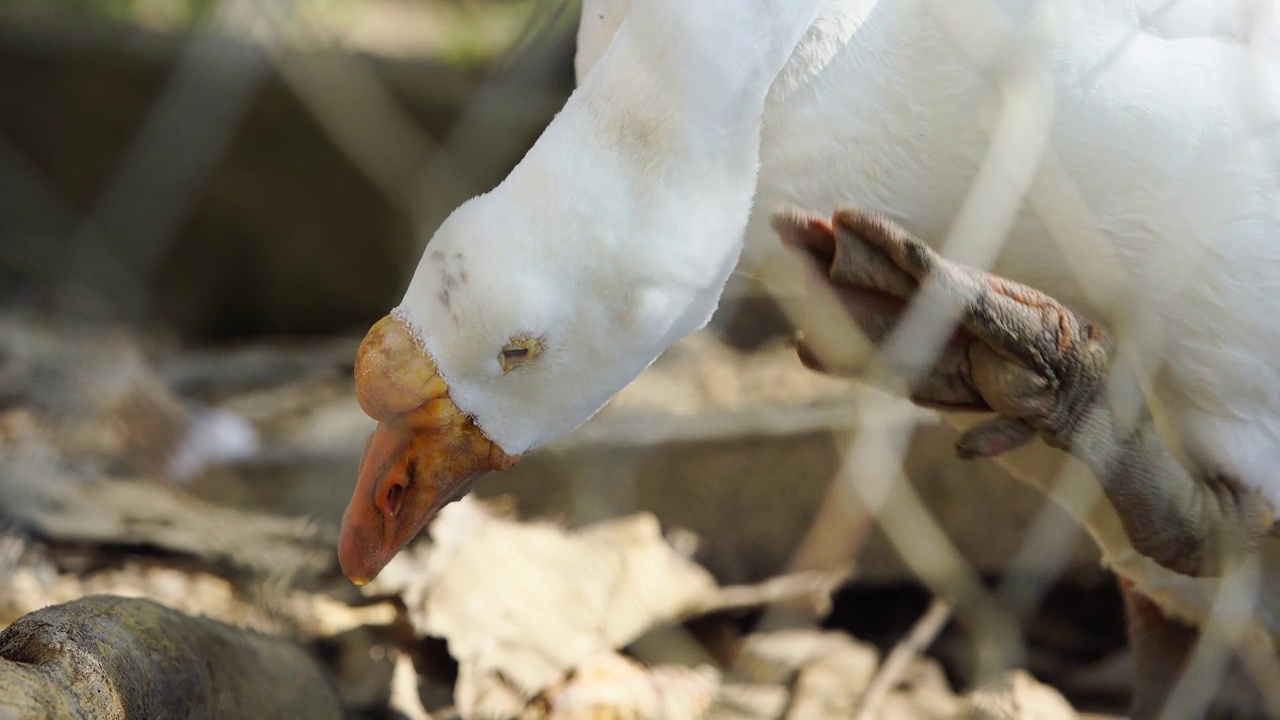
(1126, 154)
(614, 236)
(1163, 116)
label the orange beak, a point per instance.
(423, 454)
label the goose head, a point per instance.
(535, 303)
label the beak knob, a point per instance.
(394, 374)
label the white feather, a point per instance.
(1129, 151)
(615, 234)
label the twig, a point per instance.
(895, 665)
(811, 587)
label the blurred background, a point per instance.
(203, 206)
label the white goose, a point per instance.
(1143, 191)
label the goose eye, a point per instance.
(518, 351)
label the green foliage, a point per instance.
(178, 13)
(467, 33)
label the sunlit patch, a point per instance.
(393, 375)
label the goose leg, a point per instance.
(1161, 649)
(1043, 370)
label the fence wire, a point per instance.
(204, 101)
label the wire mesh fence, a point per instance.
(251, 169)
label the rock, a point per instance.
(110, 658)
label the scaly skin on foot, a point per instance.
(1043, 370)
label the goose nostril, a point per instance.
(391, 501)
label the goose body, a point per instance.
(1120, 156)
(1152, 204)
(1144, 189)
(1157, 203)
